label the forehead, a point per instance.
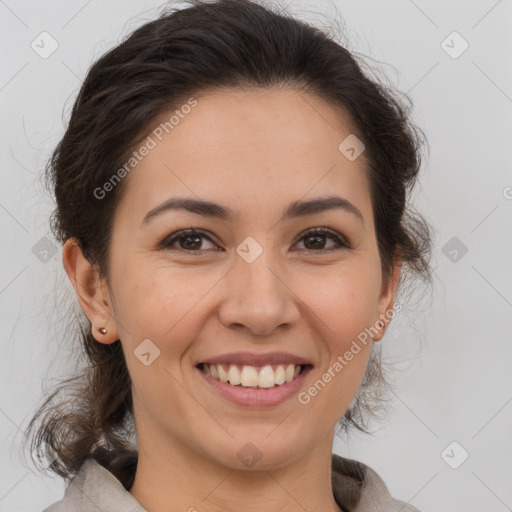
(251, 149)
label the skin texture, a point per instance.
(255, 151)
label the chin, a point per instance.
(258, 451)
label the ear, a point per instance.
(387, 300)
(92, 293)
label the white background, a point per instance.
(454, 353)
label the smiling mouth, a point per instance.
(256, 377)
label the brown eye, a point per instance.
(189, 241)
(315, 240)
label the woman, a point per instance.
(231, 197)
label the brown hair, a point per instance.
(220, 44)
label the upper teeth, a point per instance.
(266, 377)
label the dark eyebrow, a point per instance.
(295, 209)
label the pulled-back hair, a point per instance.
(186, 52)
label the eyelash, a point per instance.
(168, 241)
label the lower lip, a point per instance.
(256, 397)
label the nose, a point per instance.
(258, 297)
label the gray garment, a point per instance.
(356, 488)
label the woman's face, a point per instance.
(253, 283)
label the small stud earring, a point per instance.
(102, 330)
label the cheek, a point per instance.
(163, 303)
(342, 313)
(152, 294)
(344, 301)
(343, 308)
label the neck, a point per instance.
(177, 478)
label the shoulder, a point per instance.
(72, 500)
(95, 489)
(358, 488)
